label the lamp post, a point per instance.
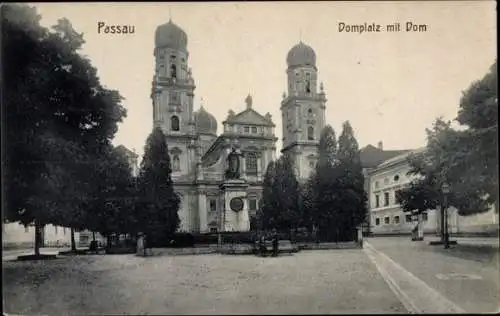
(446, 190)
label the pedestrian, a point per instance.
(275, 243)
(262, 245)
(140, 245)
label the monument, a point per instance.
(235, 210)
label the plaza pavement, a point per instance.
(431, 279)
(12, 254)
(390, 275)
(338, 282)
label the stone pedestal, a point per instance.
(235, 211)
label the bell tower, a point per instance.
(173, 85)
(172, 97)
(303, 109)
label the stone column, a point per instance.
(243, 167)
(202, 209)
(259, 167)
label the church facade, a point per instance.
(210, 200)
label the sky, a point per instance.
(390, 85)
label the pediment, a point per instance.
(175, 151)
(249, 116)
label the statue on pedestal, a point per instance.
(233, 162)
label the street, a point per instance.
(467, 275)
(390, 275)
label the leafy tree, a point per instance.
(307, 203)
(327, 149)
(268, 211)
(325, 192)
(113, 206)
(477, 163)
(352, 207)
(438, 165)
(58, 116)
(286, 191)
(466, 160)
(280, 207)
(158, 202)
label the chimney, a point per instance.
(380, 145)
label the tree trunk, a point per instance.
(38, 239)
(420, 227)
(93, 236)
(442, 222)
(73, 243)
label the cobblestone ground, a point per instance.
(328, 281)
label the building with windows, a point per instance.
(199, 154)
(386, 216)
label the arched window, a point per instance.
(251, 164)
(176, 163)
(174, 123)
(173, 71)
(310, 133)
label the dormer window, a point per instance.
(254, 130)
(247, 129)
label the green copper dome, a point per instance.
(205, 122)
(171, 36)
(301, 55)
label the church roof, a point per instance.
(301, 55)
(205, 122)
(170, 35)
(372, 156)
(249, 116)
(400, 157)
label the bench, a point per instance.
(284, 246)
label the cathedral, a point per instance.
(210, 200)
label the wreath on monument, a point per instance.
(236, 204)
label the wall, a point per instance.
(15, 235)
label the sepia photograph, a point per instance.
(250, 158)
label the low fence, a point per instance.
(239, 239)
